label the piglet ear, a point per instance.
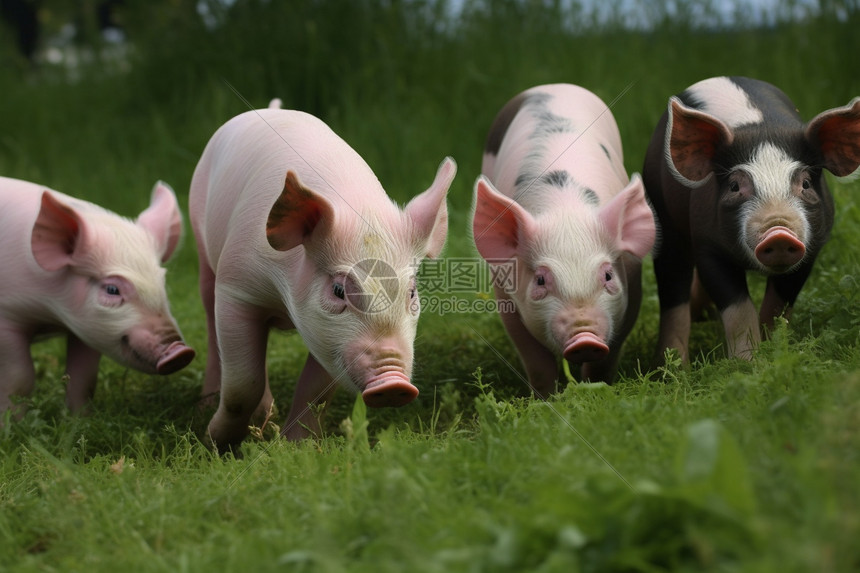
(162, 220)
(629, 219)
(692, 140)
(428, 212)
(296, 214)
(57, 233)
(500, 226)
(836, 132)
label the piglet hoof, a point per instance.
(175, 357)
(779, 249)
(585, 347)
(392, 391)
(223, 450)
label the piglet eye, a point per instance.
(337, 290)
(542, 278)
(734, 186)
(806, 184)
(112, 290)
(609, 283)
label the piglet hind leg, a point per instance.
(243, 337)
(313, 393)
(82, 368)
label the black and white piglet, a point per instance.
(736, 180)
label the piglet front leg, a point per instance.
(606, 369)
(19, 376)
(314, 388)
(540, 363)
(674, 268)
(82, 368)
(780, 294)
(242, 337)
(212, 378)
(727, 285)
(742, 329)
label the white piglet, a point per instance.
(70, 266)
(555, 198)
(294, 231)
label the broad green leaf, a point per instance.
(713, 470)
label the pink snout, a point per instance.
(392, 390)
(585, 347)
(779, 248)
(175, 357)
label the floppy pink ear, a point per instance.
(500, 226)
(429, 211)
(56, 233)
(836, 133)
(163, 220)
(630, 220)
(692, 140)
(296, 214)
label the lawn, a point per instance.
(724, 465)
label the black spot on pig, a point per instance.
(606, 151)
(549, 123)
(590, 197)
(502, 123)
(556, 178)
(524, 179)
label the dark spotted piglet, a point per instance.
(555, 200)
(736, 179)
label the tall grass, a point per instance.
(727, 465)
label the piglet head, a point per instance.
(771, 197)
(571, 287)
(114, 288)
(356, 303)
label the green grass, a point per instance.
(722, 466)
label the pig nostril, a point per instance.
(124, 340)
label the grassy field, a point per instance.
(723, 466)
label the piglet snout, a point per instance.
(391, 390)
(175, 357)
(585, 347)
(779, 249)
